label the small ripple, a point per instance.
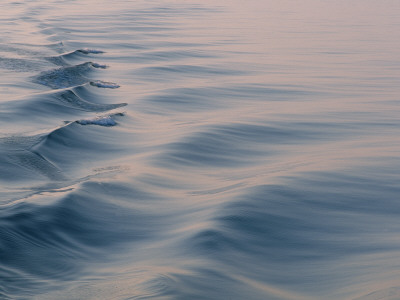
(21, 64)
(18, 162)
(166, 73)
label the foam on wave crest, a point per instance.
(71, 137)
(103, 84)
(62, 104)
(90, 51)
(38, 156)
(68, 58)
(69, 76)
(101, 121)
(99, 66)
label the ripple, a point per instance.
(21, 64)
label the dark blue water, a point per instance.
(199, 150)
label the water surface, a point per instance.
(199, 150)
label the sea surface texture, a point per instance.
(188, 149)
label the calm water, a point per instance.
(199, 149)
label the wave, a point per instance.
(275, 228)
(23, 157)
(49, 109)
(79, 143)
(205, 98)
(65, 77)
(68, 234)
(71, 76)
(65, 59)
(237, 144)
(68, 98)
(18, 162)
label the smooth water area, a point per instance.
(199, 149)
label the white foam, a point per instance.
(101, 121)
(96, 65)
(103, 84)
(90, 51)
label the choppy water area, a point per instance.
(199, 149)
